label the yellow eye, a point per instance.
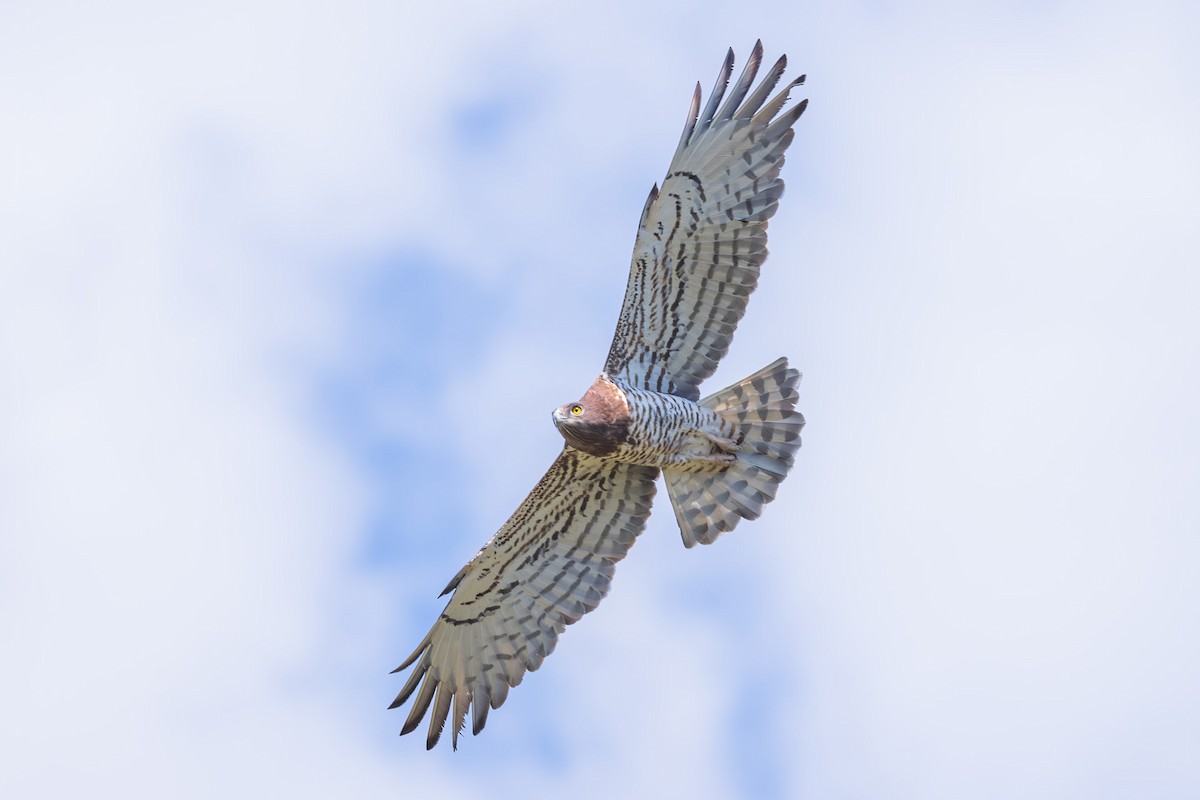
(576, 410)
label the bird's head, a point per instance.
(597, 423)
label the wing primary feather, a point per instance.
(480, 703)
(688, 127)
(409, 685)
(420, 705)
(764, 115)
(744, 83)
(462, 702)
(718, 92)
(437, 717)
(408, 662)
(475, 678)
(755, 101)
(786, 120)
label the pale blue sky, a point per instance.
(287, 292)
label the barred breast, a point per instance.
(666, 430)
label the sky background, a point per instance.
(288, 290)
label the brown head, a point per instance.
(598, 423)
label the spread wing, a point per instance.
(703, 236)
(550, 564)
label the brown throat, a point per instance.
(604, 425)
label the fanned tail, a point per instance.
(762, 407)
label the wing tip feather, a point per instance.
(408, 662)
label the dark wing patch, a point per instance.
(551, 563)
(703, 235)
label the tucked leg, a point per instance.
(722, 443)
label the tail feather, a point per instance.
(762, 409)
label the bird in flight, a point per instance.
(700, 243)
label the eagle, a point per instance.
(700, 243)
